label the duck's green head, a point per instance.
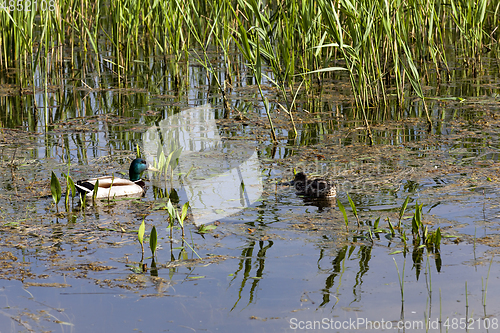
(137, 167)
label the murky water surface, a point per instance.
(283, 263)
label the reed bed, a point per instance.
(295, 45)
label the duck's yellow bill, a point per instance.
(152, 168)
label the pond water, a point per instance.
(275, 262)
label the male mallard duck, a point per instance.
(110, 187)
(315, 188)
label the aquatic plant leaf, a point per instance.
(342, 209)
(171, 210)
(96, 188)
(70, 184)
(158, 206)
(162, 162)
(416, 222)
(177, 216)
(134, 268)
(66, 198)
(167, 163)
(353, 206)
(414, 226)
(140, 233)
(153, 238)
(109, 189)
(83, 199)
(203, 229)
(184, 211)
(391, 227)
(403, 208)
(174, 160)
(370, 235)
(55, 188)
(419, 214)
(68, 189)
(377, 221)
(437, 241)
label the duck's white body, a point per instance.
(110, 187)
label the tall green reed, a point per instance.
(270, 39)
(381, 43)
